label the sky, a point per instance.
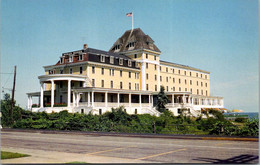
(221, 37)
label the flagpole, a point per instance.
(132, 20)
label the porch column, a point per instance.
(199, 101)
(88, 99)
(41, 95)
(192, 100)
(69, 93)
(78, 98)
(152, 100)
(74, 98)
(118, 101)
(52, 93)
(129, 100)
(149, 100)
(140, 100)
(184, 99)
(106, 93)
(92, 99)
(172, 99)
(189, 100)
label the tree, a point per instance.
(162, 100)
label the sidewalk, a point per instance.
(166, 136)
(40, 156)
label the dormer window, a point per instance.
(129, 63)
(61, 60)
(117, 47)
(131, 44)
(71, 59)
(111, 60)
(102, 58)
(80, 57)
(121, 61)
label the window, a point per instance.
(206, 93)
(102, 83)
(154, 57)
(60, 98)
(121, 85)
(121, 73)
(100, 111)
(173, 88)
(135, 55)
(179, 88)
(201, 75)
(179, 81)
(80, 70)
(93, 69)
(197, 91)
(80, 57)
(82, 110)
(136, 75)
(166, 69)
(146, 56)
(136, 86)
(191, 90)
(111, 72)
(147, 87)
(185, 81)
(190, 73)
(160, 68)
(111, 84)
(93, 82)
(135, 111)
(202, 84)
(129, 63)
(111, 60)
(61, 84)
(197, 83)
(172, 70)
(160, 78)
(185, 89)
(61, 71)
(190, 82)
(117, 47)
(197, 74)
(146, 65)
(80, 84)
(201, 92)
(155, 77)
(206, 77)
(173, 80)
(130, 86)
(147, 76)
(206, 84)
(71, 71)
(102, 58)
(185, 72)
(179, 71)
(102, 71)
(155, 67)
(121, 61)
(167, 79)
(71, 59)
(129, 74)
(167, 88)
(61, 60)
(155, 87)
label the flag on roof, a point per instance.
(129, 14)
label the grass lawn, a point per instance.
(11, 155)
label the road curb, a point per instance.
(188, 137)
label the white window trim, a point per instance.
(70, 58)
(61, 60)
(111, 60)
(129, 63)
(80, 59)
(102, 58)
(121, 61)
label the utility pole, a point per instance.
(12, 103)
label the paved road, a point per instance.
(132, 149)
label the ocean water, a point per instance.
(250, 114)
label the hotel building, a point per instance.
(129, 74)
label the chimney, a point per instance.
(85, 46)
